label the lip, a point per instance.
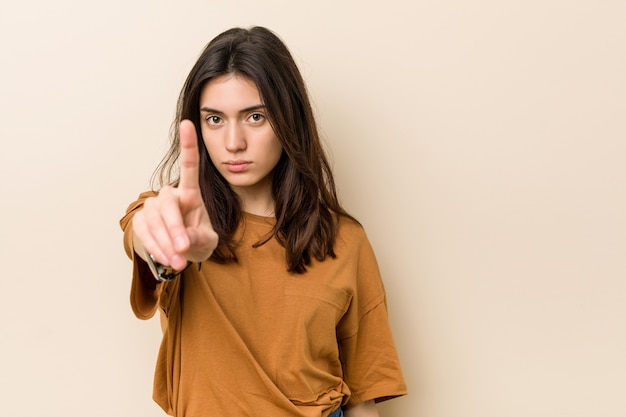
(237, 165)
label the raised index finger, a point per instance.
(189, 156)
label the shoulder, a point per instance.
(352, 239)
(349, 230)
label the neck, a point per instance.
(257, 200)
(264, 209)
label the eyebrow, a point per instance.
(246, 110)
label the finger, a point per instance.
(143, 233)
(153, 246)
(203, 243)
(172, 218)
(161, 227)
(189, 157)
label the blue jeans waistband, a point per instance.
(336, 413)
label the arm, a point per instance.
(364, 409)
(172, 225)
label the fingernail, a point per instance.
(178, 262)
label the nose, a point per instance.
(235, 140)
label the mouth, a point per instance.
(237, 165)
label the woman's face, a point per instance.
(238, 135)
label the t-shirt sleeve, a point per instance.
(145, 290)
(367, 351)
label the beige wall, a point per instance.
(481, 143)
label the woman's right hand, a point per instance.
(174, 226)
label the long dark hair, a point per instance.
(306, 203)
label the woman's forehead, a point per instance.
(230, 92)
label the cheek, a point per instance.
(273, 145)
(276, 151)
(211, 150)
(209, 140)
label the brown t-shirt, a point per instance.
(251, 339)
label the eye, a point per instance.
(213, 120)
(256, 118)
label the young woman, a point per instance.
(269, 293)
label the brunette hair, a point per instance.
(306, 203)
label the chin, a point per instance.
(241, 182)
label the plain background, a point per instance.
(481, 143)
